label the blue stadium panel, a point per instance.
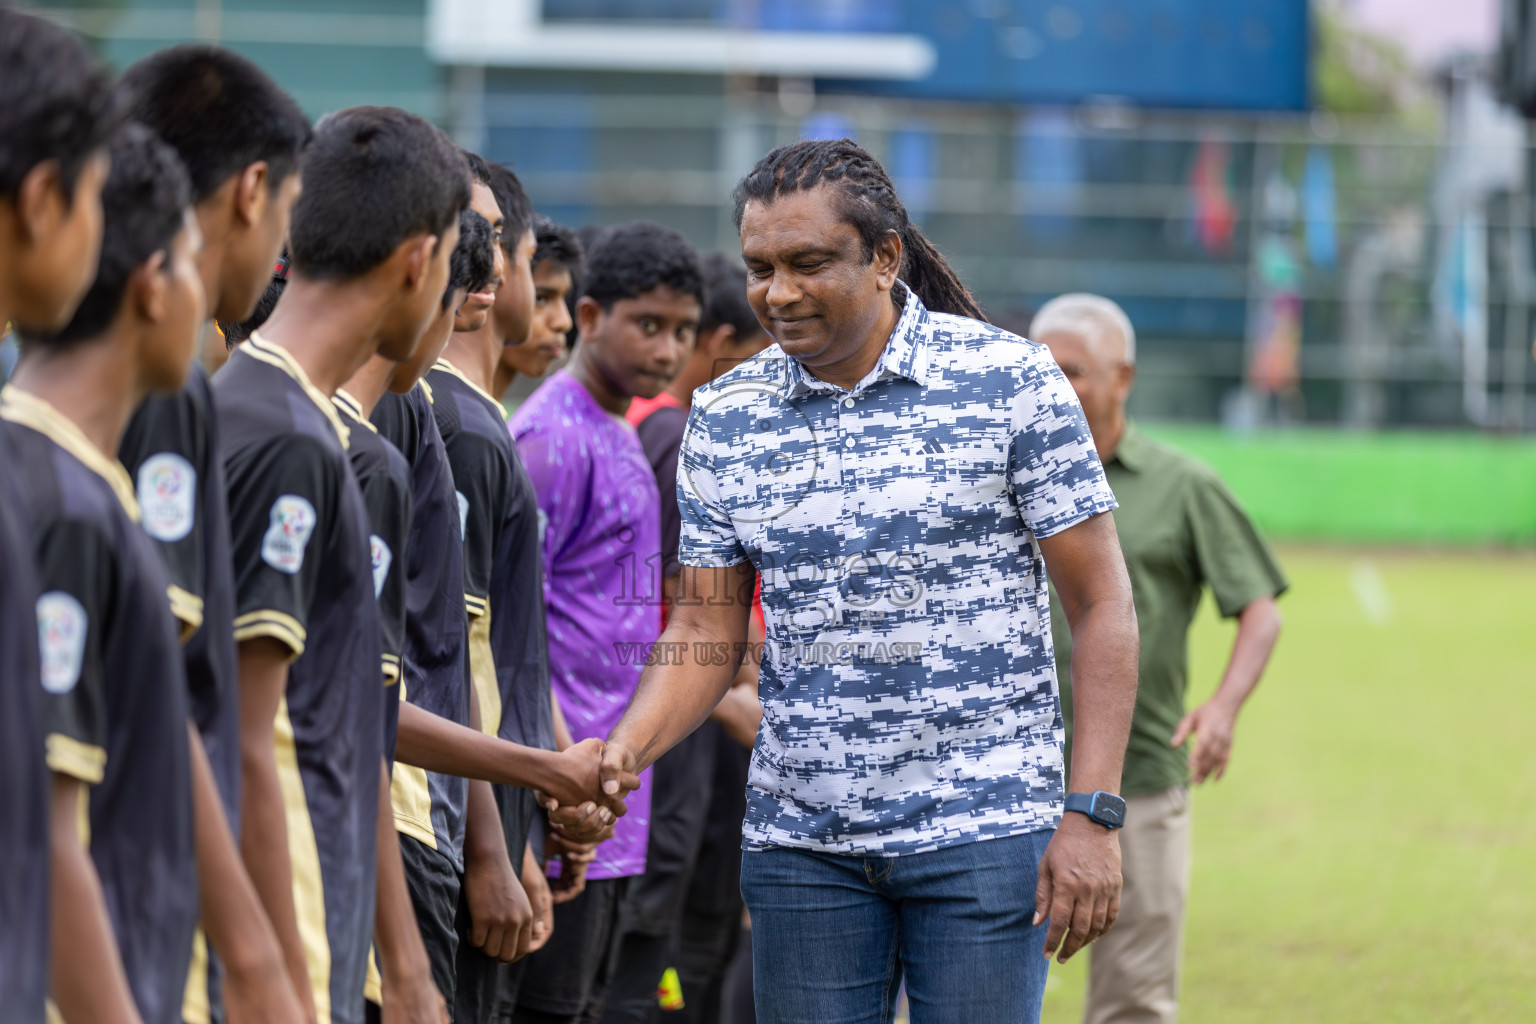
(1229, 54)
(1226, 54)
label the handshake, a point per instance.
(584, 789)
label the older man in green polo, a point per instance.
(1181, 530)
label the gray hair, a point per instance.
(1086, 315)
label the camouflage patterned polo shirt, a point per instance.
(908, 683)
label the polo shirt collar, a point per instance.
(905, 354)
(1131, 452)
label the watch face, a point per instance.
(1108, 809)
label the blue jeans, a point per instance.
(833, 936)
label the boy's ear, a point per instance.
(589, 315)
(251, 194)
(40, 199)
(147, 287)
(415, 256)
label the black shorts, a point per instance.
(434, 884)
(569, 977)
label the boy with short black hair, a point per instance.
(56, 115)
(239, 136)
(117, 711)
(503, 593)
(638, 315)
(439, 727)
(369, 247)
(557, 269)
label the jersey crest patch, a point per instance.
(167, 487)
(61, 628)
(463, 513)
(291, 522)
(381, 559)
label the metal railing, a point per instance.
(1283, 269)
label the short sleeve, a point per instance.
(388, 500)
(1233, 558)
(77, 579)
(282, 502)
(1053, 468)
(482, 485)
(707, 537)
(166, 453)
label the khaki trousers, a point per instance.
(1133, 970)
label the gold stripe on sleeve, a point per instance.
(68, 756)
(285, 629)
(188, 609)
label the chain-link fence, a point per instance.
(1277, 270)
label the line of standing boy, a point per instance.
(295, 754)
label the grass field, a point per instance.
(1371, 854)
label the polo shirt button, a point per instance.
(848, 442)
(847, 403)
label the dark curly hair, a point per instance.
(236, 332)
(866, 198)
(473, 260)
(628, 260)
(559, 244)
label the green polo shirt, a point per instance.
(1181, 530)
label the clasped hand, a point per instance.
(580, 805)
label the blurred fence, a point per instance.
(1277, 270)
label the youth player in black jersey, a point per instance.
(239, 136)
(369, 248)
(503, 581)
(117, 714)
(51, 173)
(557, 268)
(430, 808)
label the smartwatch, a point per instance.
(1105, 808)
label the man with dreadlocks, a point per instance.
(902, 475)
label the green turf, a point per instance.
(1371, 855)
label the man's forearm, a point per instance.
(1258, 627)
(232, 916)
(1104, 656)
(672, 700)
(438, 745)
(88, 983)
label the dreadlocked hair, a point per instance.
(866, 199)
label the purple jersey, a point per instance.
(599, 511)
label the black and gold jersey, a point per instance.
(23, 772)
(171, 452)
(385, 480)
(503, 572)
(115, 693)
(304, 577)
(429, 806)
